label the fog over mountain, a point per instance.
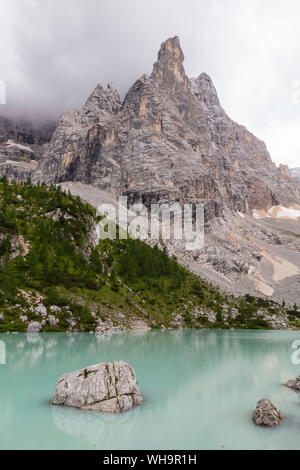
(53, 53)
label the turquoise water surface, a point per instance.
(200, 388)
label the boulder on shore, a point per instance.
(108, 387)
(293, 383)
(266, 414)
(34, 327)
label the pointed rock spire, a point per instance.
(97, 98)
(169, 66)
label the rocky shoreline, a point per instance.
(46, 318)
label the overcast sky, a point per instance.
(54, 52)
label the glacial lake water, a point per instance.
(200, 389)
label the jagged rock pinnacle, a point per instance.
(104, 99)
(169, 65)
(169, 141)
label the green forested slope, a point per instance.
(48, 258)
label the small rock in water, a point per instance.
(108, 387)
(266, 414)
(293, 383)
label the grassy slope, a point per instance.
(45, 254)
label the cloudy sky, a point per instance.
(54, 52)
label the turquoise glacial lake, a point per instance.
(200, 389)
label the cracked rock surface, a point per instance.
(266, 414)
(108, 387)
(22, 144)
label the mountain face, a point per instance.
(170, 140)
(21, 147)
(295, 173)
(23, 131)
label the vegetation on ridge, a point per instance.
(48, 258)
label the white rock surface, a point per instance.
(108, 387)
(34, 327)
(53, 321)
(41, 310)
(55, 309)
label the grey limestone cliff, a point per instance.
(170, 140)
(22, 145)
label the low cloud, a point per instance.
(54, 52)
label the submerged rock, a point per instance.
(108, 387)
(293, 383)
(266, 414)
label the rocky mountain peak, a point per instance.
(113, 98)
(169, 66)
(204, 89)
(170, 141)
(104, 99)
(284, 171)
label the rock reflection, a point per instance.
(94, 428)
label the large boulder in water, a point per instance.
(108, 387)
(266, 414)
(293, 383)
